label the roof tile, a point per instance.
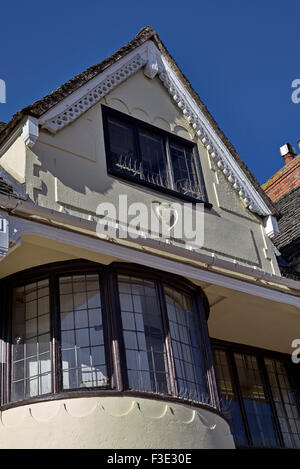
(288, 240)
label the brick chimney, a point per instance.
(288, 152)
(288, 177)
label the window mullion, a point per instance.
(107, 330)
(238, 393)
(119, 376)
(206, 351)
(199, 173)
(8, 338)
(169, 164)
(168, 341)
(138, 151)
(268, 390)
(55, 334)
(4, 308)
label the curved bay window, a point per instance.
(81, 327)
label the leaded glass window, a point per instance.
(31, 362)
(151, 156)
(284, 396)
(143, 335)
(82, 338)
(186, 346)
(260, 395)
(255, 400)
(229, 396)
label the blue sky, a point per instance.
(240, 56)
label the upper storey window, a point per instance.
(150, 156)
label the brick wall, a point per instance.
(286, 179)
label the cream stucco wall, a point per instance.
(13, 159)
(67, 172)
(112, 423)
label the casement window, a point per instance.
(30, 352)
(147, 155)
(260, 393)
(82, 340)
(81, 327)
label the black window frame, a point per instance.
(113, 334)
(231, 348)
(137, 123)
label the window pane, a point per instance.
(143, 335)
(31, 362)
(83, 360)
(186, 178)
(285, 402)
(187, 351)
(228, 396)
(255, 401)
(153, 166)
(122, 148)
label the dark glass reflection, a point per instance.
(31, 362)
(123, 148)
(143, 335)
(153, 156)
(188, 356)
(284, 396)
(256, 404)
(82, 340)
(228, 396)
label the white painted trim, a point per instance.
(30, 132)
(21, 227)
(271, 226)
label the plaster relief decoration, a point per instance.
(155, 64)
(167, 214)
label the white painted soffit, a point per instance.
(20, 228)
(154, 63)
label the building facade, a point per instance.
(115, 335)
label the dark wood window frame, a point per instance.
(230, 348)
(114, 344)
(136, 123)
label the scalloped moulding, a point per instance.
(112, 423)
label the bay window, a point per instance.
(79, 327)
